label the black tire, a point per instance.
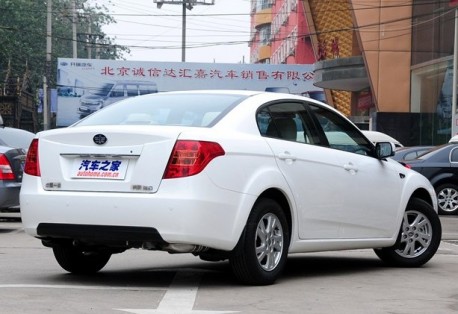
(261, 252)
(447, 199)
(77, 261)
(419, 237)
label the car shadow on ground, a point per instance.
(315, 265)
(8, 225)
(218, 274)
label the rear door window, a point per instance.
(287, 121)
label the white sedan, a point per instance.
(240, 175)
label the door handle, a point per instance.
(286, 156)
(351, 168)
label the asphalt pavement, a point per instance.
(145, 282)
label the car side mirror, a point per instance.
(2, 125)
(384, 150)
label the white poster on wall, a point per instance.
(86, 85)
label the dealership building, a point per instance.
(387, 64)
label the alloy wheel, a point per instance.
(416, 234)
(269, 241)
(447, 200)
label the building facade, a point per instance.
(386, 64)
(279, 33)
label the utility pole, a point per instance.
(183, 33)
(187, 4)
(74, 37)
(454, 125)
(90, 42)
(46, 106)
(90, 39)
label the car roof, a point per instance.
(376, 136)
(16, 138)
(454, 139)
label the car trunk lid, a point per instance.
(130, 160)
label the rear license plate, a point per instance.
(99, 168)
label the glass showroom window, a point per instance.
(431, 96)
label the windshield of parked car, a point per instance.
(193, 109)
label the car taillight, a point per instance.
(32, 164)
(6, 172)
(405, 165)
(191, 157)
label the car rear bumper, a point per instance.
(119, 237)
(209, 216)
(9, 194)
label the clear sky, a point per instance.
(214, 33)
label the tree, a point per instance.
(23, 36)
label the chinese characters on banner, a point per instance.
(212, 72)
(186, 73)
(78, 79)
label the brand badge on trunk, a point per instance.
(100, 139)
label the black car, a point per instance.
(13, 146)
(11, 169)
(408, 153)
(440, 166)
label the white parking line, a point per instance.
(179, 298)
(75, 287)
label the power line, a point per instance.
(239, 42)
(224, 32)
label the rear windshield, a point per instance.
(433, 151)
(200, 110)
